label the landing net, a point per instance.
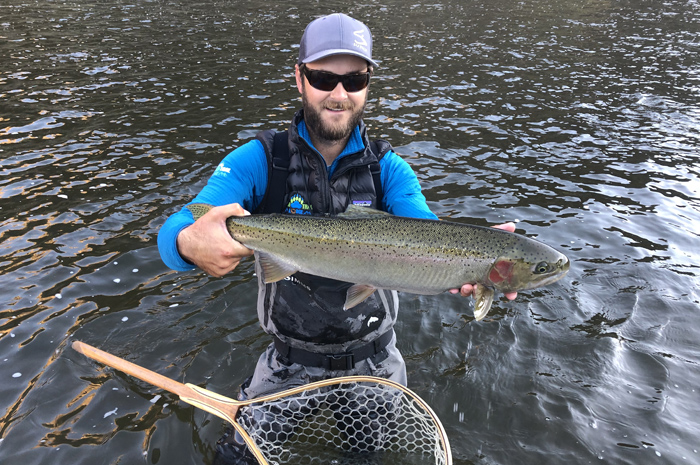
(349, 422)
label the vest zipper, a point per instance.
(324, 183)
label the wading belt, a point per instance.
(334, 362)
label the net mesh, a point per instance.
(348, 423)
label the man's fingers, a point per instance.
(468, 289)
(465, 290)
(219, 214)
(510, 227)
(208, 244)
(233, 209)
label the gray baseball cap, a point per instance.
(336, 34)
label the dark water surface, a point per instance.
(579, 119)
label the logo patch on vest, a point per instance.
(298, 206)
(362, 203)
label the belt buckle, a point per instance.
(340, 362)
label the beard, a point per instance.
(331, 132)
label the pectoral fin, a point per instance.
(273, 269)
(484, 299)
(357, 294)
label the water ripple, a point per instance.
(577, 120)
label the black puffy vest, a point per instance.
(305, 310)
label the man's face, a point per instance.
(332, 115)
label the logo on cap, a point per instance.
(360, 41)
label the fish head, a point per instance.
(529, 268)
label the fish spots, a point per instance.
(412, 255)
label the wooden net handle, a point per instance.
(221, 406)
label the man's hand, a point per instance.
(208, 244)
(468, 289)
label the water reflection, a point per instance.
(579, 119)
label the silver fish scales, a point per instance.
(376, 250)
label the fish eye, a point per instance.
(542, 267)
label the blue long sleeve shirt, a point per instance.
(241, 178)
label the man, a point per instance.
(329, 162)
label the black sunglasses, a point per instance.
(326, 81)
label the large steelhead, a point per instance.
(377, 250)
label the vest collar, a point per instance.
(358, 142)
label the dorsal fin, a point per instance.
(353, 212)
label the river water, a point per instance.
(578, 119)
